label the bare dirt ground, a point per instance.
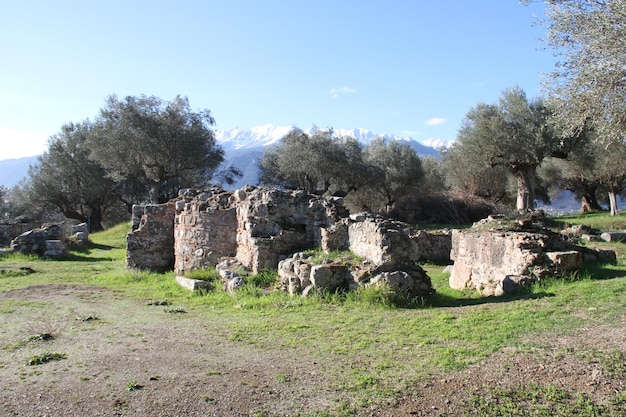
(128, 358)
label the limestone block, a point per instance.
(54, 248)
(192, 284)
(329, 276)
(614, 236)
(566, 261)
(80, 228)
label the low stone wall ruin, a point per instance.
(150, 244)
(494, 259)
(256, 227)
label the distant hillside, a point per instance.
(13, 170)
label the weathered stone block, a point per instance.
(566, 261)
(192, 284)
(614, 236)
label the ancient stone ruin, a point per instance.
(45, 241)
(496, 256)
(255, 228)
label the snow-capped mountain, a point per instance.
(244, 147)
(262, 136)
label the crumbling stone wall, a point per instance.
(433, 246)
(205, 229)
(494, 260)
(10, 229)
(255, 227)
(382, 241)
(150, 244)
(44, 241)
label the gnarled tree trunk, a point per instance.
(525, 188)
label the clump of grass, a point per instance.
(41, 337)
(264, 279)
(164, 302)
(45, 358)
(345, 257)
(133, 386)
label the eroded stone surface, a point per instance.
(497, 259)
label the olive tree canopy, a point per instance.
(588, 84)
(513, 133)
(166, 145)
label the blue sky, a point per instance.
(411, 68)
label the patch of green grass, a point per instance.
(133, 386)
(540, 400)
(45, 358)
(370, 344)
(41, 337)
(337, 256)
(597, 220)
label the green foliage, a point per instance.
(67, 179)
(397, 167)
(138, 149)
(316, 162)
(133, 386)
(264, 279)
(45, 358)
(146, 143)
(513, 134)
(587, 85)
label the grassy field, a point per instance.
(375, 351)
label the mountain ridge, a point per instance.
(242, 148)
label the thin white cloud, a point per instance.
(436, 121)
(335, 92)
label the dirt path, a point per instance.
(127, 358)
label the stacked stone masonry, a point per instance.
(495, 260)
(257, 227)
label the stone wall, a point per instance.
(44, 241)
(382, 241)
(205, 229)
(10, 229)
(433, 246)
(256, 227)
(496, 260)
(150, 244)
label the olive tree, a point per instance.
(67, 179)
(513, 133)
(588, 84)
(161, 145)
(316, 162)
(396, 168)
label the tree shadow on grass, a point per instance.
(72, 257)
(443, 300)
